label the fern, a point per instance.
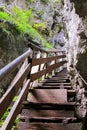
(23, 19)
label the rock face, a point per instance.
(76, 34)
(81, 10)
(11, 43)
(76, 46)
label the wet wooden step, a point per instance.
(48, 96)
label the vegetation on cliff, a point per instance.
(24, 21)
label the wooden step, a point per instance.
(28, 113)
(70, 93)
(54, 119)
(49, 126)
(48, 96)
(54, 80)
(51, 87)
(54, 84)
(49, 106)
(50, 119)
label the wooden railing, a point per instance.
(34, 63)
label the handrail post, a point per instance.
(53, 62)
(35, 68)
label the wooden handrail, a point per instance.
(38, 48)
(11, 66)
(21, 82)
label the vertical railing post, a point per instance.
(44, 65)
(53, 62)
(34, 69)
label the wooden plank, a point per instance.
(49, 69)
(39, 61)
(49, 95)
(54, 66)
(16, 108)
(12, 90)
(52, 87)
(49, 106)
(49, 59)
(45, 60)
(49, 126)
(28, 113)
(37, 75)
(54, 119)
(54, 84)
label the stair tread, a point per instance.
(50, 126)
(49, 106)
(54, 83)
(28, 113)
(49, 95)
(51, 87)
(54, 119)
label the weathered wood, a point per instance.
(33, 45)
(48, 95)
(52, 87)
(54, 84)
(45, 60)
(20, 84)
(55, 119)
(49, 69)
(37, 75)
(39, 61)
(12, 90)
(28, 113)
(16, 108)
(49, 126)
(49, 106)
(54, 66)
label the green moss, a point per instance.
(23, 19)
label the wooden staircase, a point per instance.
(51, 105)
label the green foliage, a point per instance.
(39, 25)
(5, 16)
(45, 1)
(23, 20)
(15, 98)
(40, 79)
(4, 116)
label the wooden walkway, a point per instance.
(51, 105)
